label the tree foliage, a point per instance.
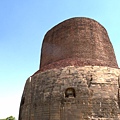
(10, 118)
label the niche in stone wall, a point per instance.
(70, 92)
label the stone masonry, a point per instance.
(78, 79)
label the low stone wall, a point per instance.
(72, 93)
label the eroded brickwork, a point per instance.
(95, 88)
(77, 40)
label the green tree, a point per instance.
(10, 118)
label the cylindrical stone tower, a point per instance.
(78, 79)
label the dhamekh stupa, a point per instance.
(78, 78)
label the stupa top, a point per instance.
(77, 41)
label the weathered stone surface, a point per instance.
(96, 94)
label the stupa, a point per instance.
(78, 78)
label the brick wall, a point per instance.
(82, 40)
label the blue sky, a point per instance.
(23, 24)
